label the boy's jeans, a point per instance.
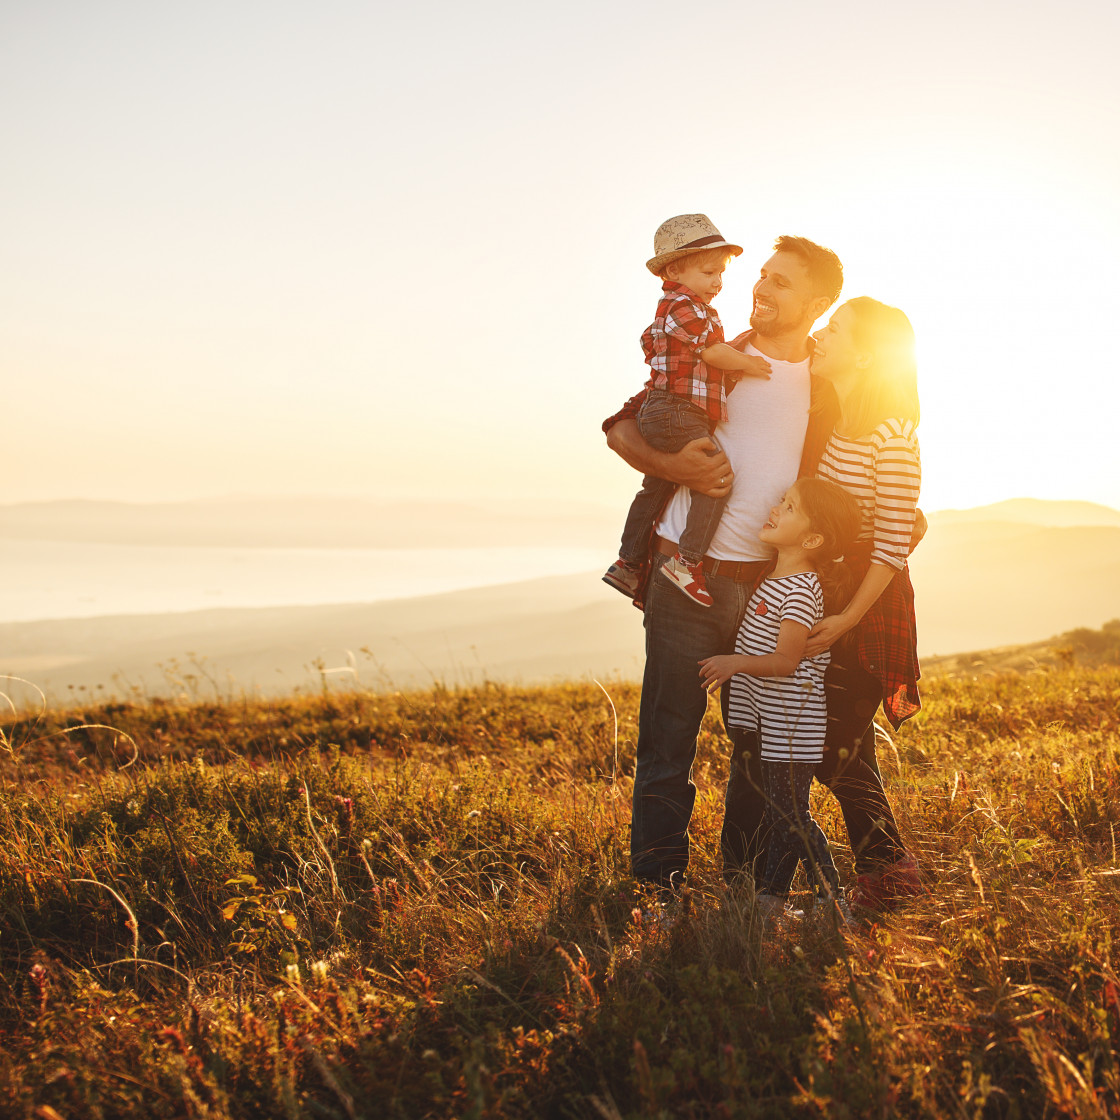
(668, 423)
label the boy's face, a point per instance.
(705, 280)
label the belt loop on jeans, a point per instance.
(741, 571)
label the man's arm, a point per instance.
(700, 465)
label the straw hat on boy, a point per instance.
(685, 234)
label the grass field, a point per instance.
(418, 905)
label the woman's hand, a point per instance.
(827, 632)
(714, 671)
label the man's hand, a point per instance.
(701, 465)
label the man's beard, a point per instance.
(779, 324)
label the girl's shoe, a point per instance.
(886, 888)
(831, 913)
(689, 578)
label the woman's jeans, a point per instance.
(850, 768)
(679, 634)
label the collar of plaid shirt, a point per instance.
(672, 288)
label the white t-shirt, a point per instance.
(763, 438)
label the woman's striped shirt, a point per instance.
(787, 712)
(883, 471)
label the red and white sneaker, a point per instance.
(625, 577)
(689, 578)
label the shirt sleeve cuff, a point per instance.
(627, 412)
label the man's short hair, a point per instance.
(719, 255)
(825, 270)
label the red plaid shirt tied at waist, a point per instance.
(886, 638)
(672, 343)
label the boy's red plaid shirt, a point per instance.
(672, 343)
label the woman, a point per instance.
(867, 352)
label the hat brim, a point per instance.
(656, 264)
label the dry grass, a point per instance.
(418, 905)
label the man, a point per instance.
(775, 432)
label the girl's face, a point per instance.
(788, 525)
(836, 355)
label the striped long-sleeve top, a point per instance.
(883, 471)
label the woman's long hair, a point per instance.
(834, 513)
(888, 387)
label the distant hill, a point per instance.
(995, 583)
(1033, 511)
(980, 584)
(557, 628)
(319, 522)
(1082, 646)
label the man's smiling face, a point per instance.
(784, 300)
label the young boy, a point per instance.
(692, 370)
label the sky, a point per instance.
(398, 251)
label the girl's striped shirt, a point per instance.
(787, 712)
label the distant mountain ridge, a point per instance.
(1033, 511)
(981, 582)
(326, 522)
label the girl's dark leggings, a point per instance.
(850, 769)
(793, 834)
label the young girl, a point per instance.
(777, 697)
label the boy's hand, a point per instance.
(714, 671)
(758, 367)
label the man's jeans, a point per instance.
(679, 634)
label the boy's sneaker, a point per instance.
(625, 577)
(689, 578)
(885, 889)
